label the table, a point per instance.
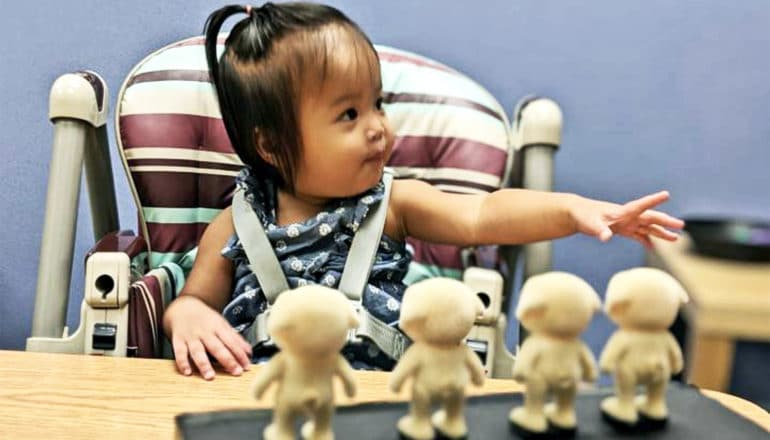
(60, 396)
(729, 300)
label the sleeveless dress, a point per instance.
(314, 252)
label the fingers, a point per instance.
(239, 347)
(656, 217)
(180, 354)
(638, 206)
(197, 353)
(597, 228)
(661, 232)
(605, 234)
(223, 355)
(644, 239)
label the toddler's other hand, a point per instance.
(635, 219)
(197, 329)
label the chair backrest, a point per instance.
(449, 131)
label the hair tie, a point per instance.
(248, 10)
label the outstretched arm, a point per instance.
(266, 374)
(345, 373)
(513, 216)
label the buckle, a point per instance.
(353, 336)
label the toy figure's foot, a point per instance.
(271, 433)
(653, 416)
(527, 424)
(441, 436)
(622, 417)
(561, 423)
(309, 432)
(651, 409)
(449, 429)
(411, 429)
(648, 424)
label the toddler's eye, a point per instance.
(378, 104)
(349, 115)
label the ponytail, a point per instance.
(211, 30)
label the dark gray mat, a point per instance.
(692, 416)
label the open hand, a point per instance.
(635, 219)
(196, 331)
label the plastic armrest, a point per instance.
(120, 241)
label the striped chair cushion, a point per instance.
(449, 132)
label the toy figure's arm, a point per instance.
(612, 352)
(406, 367)
(674, 354)
(475, 368)
(588, 364)
(345, 372)
(266, 374)
(526, 360)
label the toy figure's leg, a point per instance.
(319, 427)
(652, 405)
(561, 413)
(450, 419)
(282, 427)
(529, 420)
(620, 410)
(416, 425)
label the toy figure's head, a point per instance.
(643, 298)
(311, 320)
(439, 311)
(557, 303)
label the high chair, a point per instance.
(449, 131)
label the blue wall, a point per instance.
(656, 94)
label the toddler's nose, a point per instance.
(377, 130)
(375, 134)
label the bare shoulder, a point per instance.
(403, 193)
(222, 225)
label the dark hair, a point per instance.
(259, 78)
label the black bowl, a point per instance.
(734, 239)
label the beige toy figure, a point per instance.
(643, 302)
(555, 307)
(310, 325)
(437, 314)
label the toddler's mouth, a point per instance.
(377, 155)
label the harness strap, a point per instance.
(355, 275)
(363, 249)
(262, 259)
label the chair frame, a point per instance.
(78, 107)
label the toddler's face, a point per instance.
(346, 136)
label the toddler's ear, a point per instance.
(259, 144)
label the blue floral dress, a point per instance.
(315, 251)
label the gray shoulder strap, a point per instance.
(262, 259)
(363, 249)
